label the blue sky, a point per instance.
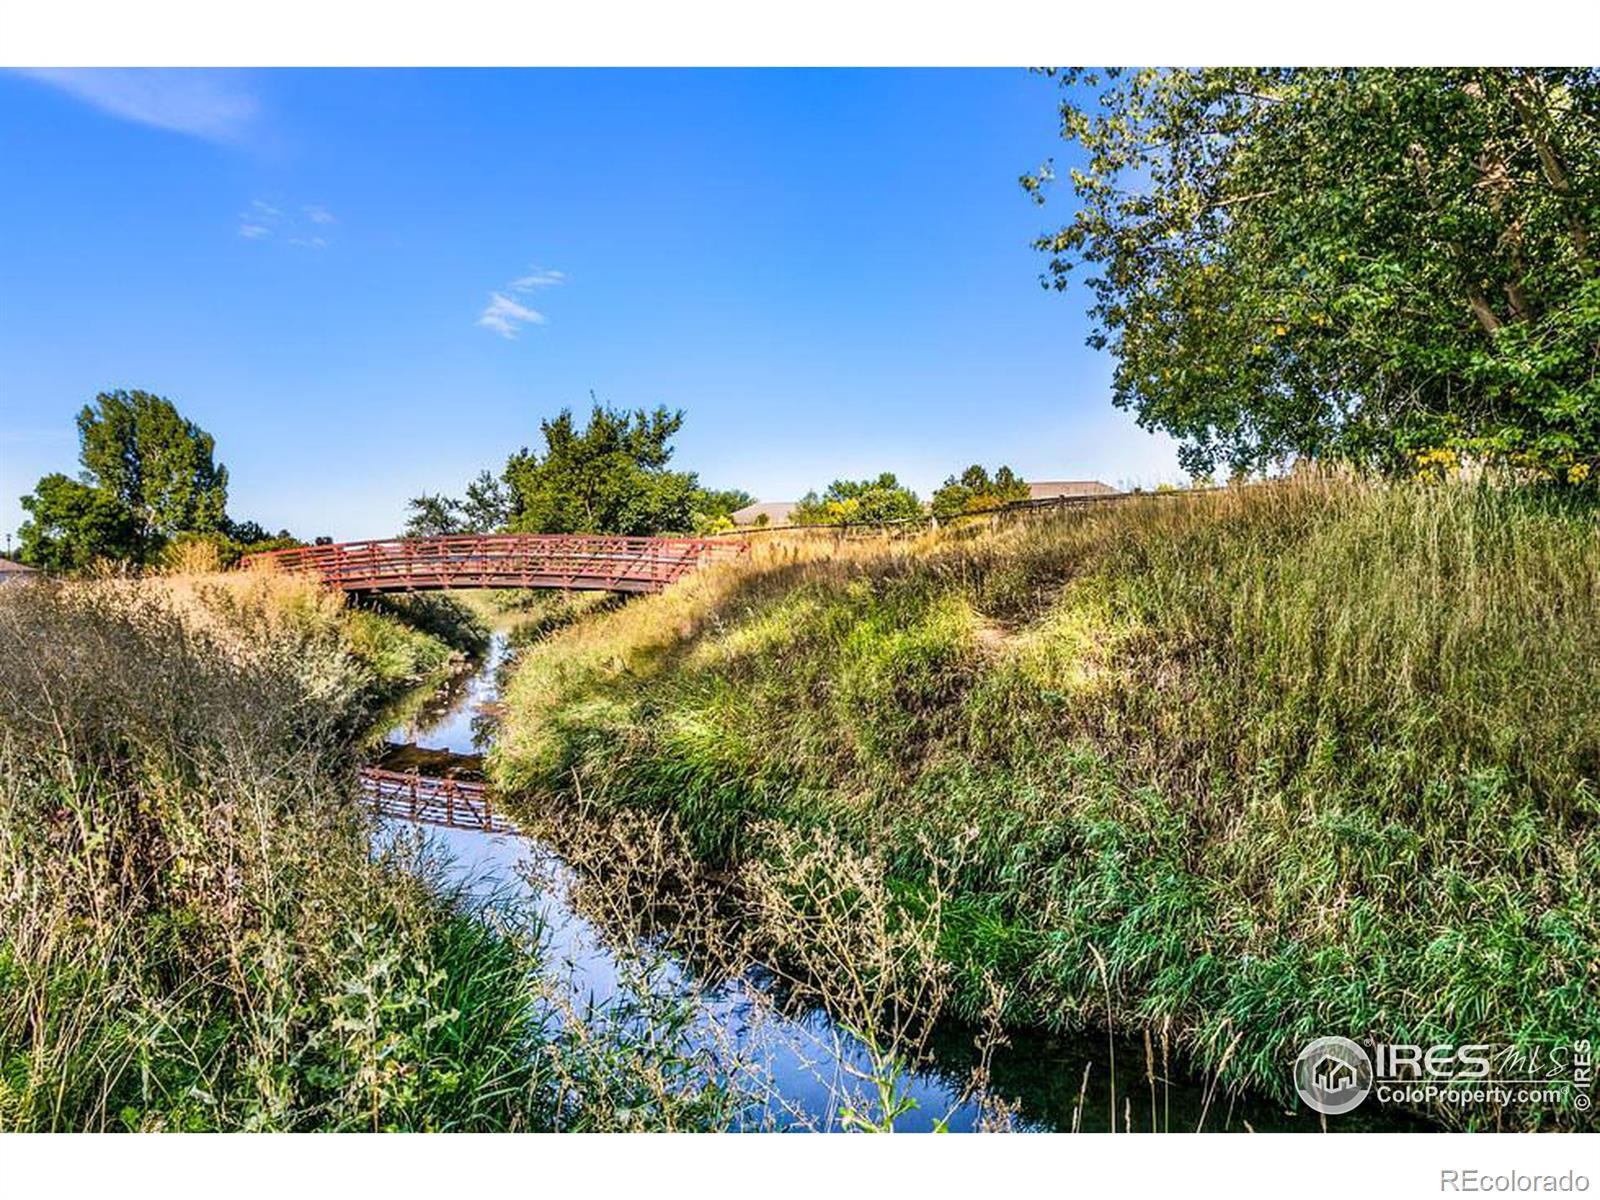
(368, 284)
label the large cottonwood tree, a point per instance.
(1389, 265)
(148, 475)
(159, 464)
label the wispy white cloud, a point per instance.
(263, 222)
(507, 316)
(205, 104)
(537, 279)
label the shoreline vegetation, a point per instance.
(197, 930)
(1236, 769)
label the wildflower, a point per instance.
(1436, 462)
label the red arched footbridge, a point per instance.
(570, 562)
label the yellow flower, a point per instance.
(1437, 462)
(1280, 330)
(1577, 472)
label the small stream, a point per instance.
(803, 1061)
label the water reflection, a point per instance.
(457, 716)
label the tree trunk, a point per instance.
(1535, 120)
(1481, 308)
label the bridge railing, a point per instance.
(428, 800)
(577, 561)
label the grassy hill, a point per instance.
(1306, 758)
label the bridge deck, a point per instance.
(570, 562)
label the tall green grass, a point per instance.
(1306, 758)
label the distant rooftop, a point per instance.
(776, 511)
(13, 570)
(1055, 489)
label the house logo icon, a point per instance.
(1332, 1075)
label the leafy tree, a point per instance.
(609, 477)
(714, 509)
(864, 501)
(1382, 265)
(974, 491)
(160, 466)
(252, 536)
(72, 524)
(487, 506)
(433, 516)
(248, 532)
(148, 475)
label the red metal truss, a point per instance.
(453, 803)
(571, 562)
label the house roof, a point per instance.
(777, 512)
(1051, 489)
(14, 570)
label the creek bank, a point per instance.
(800, 1061)
(1254, 766)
